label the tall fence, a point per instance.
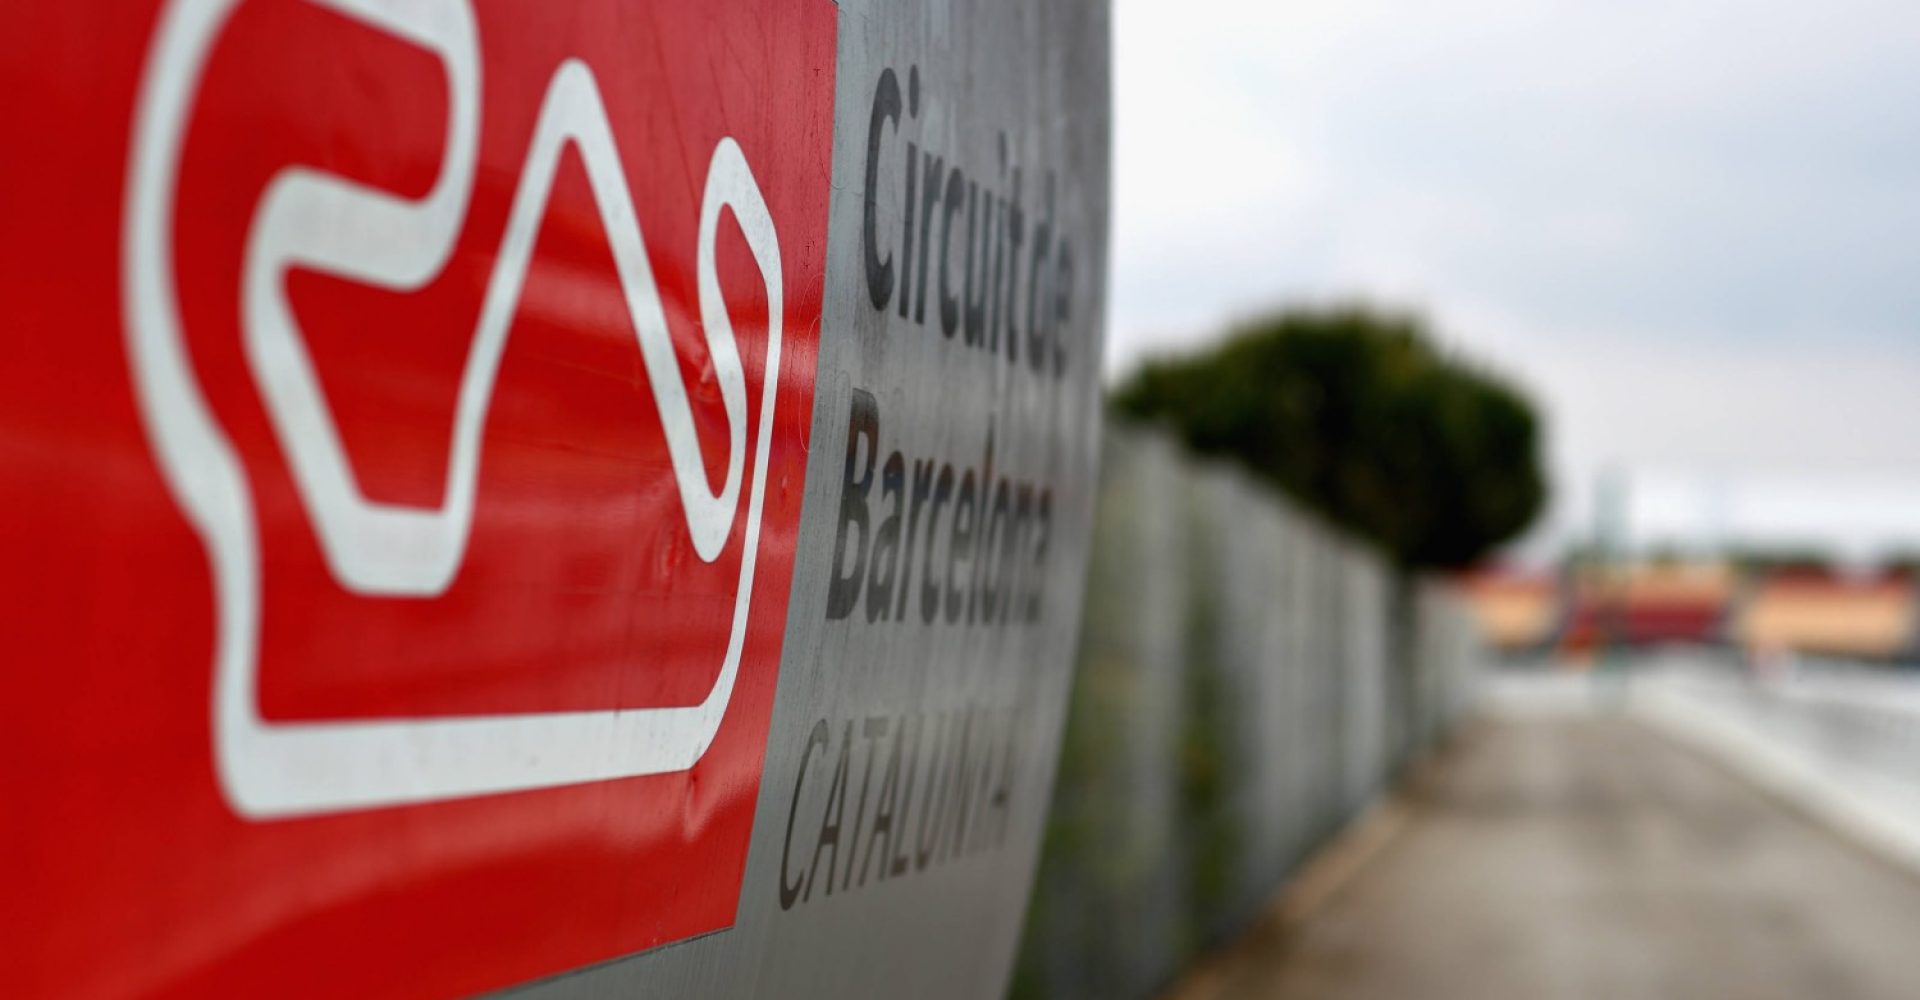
(1248, 680)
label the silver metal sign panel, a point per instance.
(938, 574)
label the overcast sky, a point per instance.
(1690, 227)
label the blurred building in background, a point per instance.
(1517, 611)
(1871, 615)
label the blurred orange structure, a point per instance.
(1706, 602)
(1867, 618)
(1516, 610)
(1650, 603)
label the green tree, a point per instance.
(1355, 412)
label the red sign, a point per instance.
(404, 424)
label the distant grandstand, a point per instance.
(1762, 613)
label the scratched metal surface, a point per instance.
(1032, 79)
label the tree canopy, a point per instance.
(1354, 411)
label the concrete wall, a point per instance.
(1249, 679)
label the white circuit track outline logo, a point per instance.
(319, 221)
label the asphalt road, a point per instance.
(1582, 856)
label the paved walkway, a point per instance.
(1581, 856)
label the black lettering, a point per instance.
(960, 547)
(949, 302)
(873, 729)
(959, 789)
(1002, 797)
(931, 167)
(863, 424)
(979, 251)
(978, 834)
(1042, 244)
(886, 541)
(1003, 248)
(1013, 548)
(906, 233)
(922, 482)
(982, 549)
(1062, 305)
(933, 804)
(835, 811)
(930, 586)
(789, 892)
(883, 808)
(994, 554)
(1016, 234)
(1040, 556)
(897, 861)
(886, 108)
